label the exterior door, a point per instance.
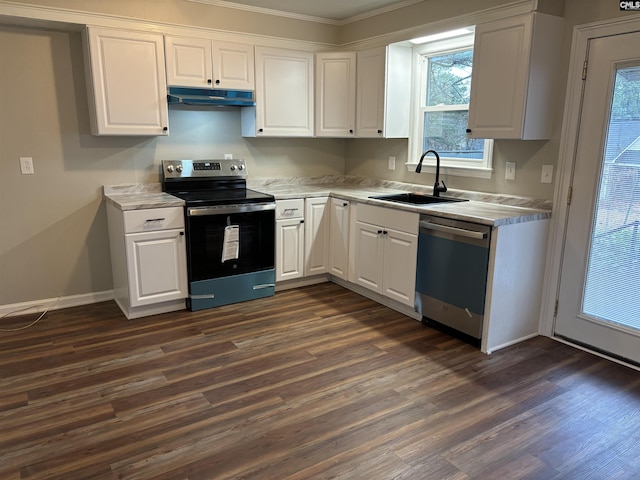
(600, 280)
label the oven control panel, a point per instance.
(236, 168)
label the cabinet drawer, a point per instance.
(388, 217)
(293, 208)
(150, 219)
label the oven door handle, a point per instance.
(227, 209)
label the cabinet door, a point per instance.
(289, 249)
(316, 234)
(400, 257)
(126, 77)
(284, 93)
(335, 94)
(370, 92)
(188, 62)
(157, 266)
(369, 243)
(233, 66)
(513, 80)
(339, 234)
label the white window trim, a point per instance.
(449, 166)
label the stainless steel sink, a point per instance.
(416, 198)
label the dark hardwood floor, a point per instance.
(317, 382)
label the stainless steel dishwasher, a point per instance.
(451, 275)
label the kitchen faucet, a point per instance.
(437, 188)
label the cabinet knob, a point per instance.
(379, 232)
(379, 131)
(345, 204)
(182, 234)
(468, 130)
(209, 81)
(164, 129)
(301, 221)
(217, 82)
(260, 130)
(350, 130)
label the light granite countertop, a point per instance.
(487, 209)
(139, 196)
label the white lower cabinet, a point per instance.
(316, 236)
(302, 237)
(385, 252)
(289, 239)
(149, 263)
(339, 238)
(156, 262)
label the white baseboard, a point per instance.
(55, 303)
(512, 342)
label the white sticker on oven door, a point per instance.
(231, 246)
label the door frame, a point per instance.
(582, 34)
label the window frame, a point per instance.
(449, 165)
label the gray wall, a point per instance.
(53, 239)
(53, 233)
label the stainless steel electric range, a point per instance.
(230, 231)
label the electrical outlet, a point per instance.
(547, 174)
(510, 171)
(392, 163)
(26, 166)
(228, 156)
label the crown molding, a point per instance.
(307, 18)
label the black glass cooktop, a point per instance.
(222, 197)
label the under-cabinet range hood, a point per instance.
(204, 97)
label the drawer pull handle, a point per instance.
(154, 220)
(290, 209)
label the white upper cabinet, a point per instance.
(335, 94)
(203, 63)
(284, 95)
(514, 77)
(383, 92)
(233, 65)
(126, 82)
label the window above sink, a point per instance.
(440, 107)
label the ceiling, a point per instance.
(330, 11)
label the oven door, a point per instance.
(230, 253)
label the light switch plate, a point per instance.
(392, 163)
(228, 156)
(510, 171)
(547, 174)
(26, 166)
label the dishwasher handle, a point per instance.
(453, 230)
